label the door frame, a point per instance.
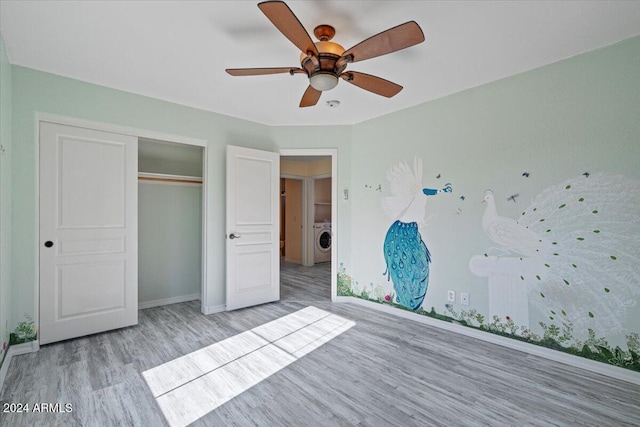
(333, 153)
(125, 130)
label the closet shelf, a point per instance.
(163, 177)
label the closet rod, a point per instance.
(162, 177)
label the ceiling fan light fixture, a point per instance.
(330, 48)
(323, 81)
(324, 61)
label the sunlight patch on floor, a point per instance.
(193, 385)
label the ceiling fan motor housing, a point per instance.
(323, 70)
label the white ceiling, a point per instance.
(178, 50)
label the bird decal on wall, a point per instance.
(406, 255)
(577, 249)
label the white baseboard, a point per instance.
(14, 350)
(555, 355)
(211, 309)
(167, 301)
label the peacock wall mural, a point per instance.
(574, 250)
(405, 253)
(539, 241)
(572, 255)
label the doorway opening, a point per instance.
(308, 224)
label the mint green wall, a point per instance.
(556, 122)
(35, 91)
(5, 196)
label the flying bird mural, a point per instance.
(406, 255)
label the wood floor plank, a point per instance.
(384, 371)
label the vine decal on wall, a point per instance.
(405, 253)
(551, 336)
(24, 332)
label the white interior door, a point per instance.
(88, 231)
(253, 239)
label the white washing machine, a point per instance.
(322, 242)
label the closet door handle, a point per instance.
(48, 243)
(234, 236)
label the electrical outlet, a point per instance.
(464, 298)
(451, 296)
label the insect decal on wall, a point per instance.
(526, 174)
(512, 197)
(438, 177)
(586, 174)
(462, 198)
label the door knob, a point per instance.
(48, 243)
(234, 236)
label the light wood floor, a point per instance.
(301, 283)
(384, 371)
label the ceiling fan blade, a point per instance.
(396, 38)
(371, 83)
(283, 18)
(261, 71)
(310, 97)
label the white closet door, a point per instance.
(88, 232)
(253, 224)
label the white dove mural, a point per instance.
(508, 233)
(576, 249)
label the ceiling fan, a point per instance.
(324, 62)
